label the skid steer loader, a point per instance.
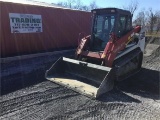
(113, 51)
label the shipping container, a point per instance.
(27, 28)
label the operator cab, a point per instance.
(107, 21)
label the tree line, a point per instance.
(148, 19)
(78, 4)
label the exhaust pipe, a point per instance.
(86, 78)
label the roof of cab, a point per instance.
(117, 10)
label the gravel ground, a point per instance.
(137, 98)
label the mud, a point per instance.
(136, 98)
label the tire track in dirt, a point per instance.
(27, 112)
(80, 106)
(31, 99)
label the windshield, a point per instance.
(103, 26)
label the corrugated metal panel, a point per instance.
(60, 29)
(1, 36)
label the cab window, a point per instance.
(121, 25)
(128, 26)
(124, 25)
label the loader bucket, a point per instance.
(86, 78)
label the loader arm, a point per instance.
(115, 45)
(111, 50)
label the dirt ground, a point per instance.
(137, 98)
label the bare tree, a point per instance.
(77, 4)
(158, 21)
(132, 7)
(152, 19)
(149, 19)
(62, 4)
(93, 5)
(141, 18)
(85, 8)
(70, 3)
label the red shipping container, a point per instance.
(27, 29)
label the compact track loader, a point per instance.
(112, 52)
